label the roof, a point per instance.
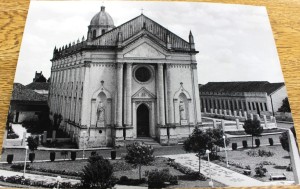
(38, 86)
(102, 18)
(134, 26)
(241, 86)
(21, 93)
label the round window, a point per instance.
(143, 74)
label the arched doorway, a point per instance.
(142, 121)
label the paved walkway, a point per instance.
(221, 174)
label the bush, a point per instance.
(93, 153)
(271, 142)
(260, 171)
(19, 167)
(189, 174)
(31, 157)
(257, 142)
(73, 156)
(260, 153)
(33, 143)
(98, 173)
(12, 136)
(52, 156)
(289, 168)
(113, 154)
(245, 144)
(234, 146)
(157, 178)
(124, 180)
(10, 158)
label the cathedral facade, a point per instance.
(135, 80)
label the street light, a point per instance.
(211, 181)
(225, 147)
(26, 148)
(58, 179)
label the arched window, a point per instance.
(102, 31)
(94, 33)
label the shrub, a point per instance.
(248, 167)
(98, 173)
(10, 158)
(113, 154)
(64, 154)
(157, 178)
(33, 143)
(93, 153)
(234, 146)
(73, 156)
(245, 144)
(124, 180)
(12, 136)
(266, 163)
(52, 156)
(31, 157)
(189, 173)
(257, 142)
(18, 167)
(260, 171)
(271, 142)
(289, 168)
(260, 153)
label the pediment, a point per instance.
(143, 93)
(145, 50)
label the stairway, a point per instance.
(147, 140)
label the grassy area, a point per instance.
(121, 168)
(279, 161)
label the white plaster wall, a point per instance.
(277, 98)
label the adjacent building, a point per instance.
(135, 80)
(254, 97)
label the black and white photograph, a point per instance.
(145, 94)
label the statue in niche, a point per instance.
(182, 111)
(100, 113)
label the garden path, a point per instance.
(219, 173)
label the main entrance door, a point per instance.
(142, 117)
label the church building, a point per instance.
(132, 81)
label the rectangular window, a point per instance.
(249, 105)
(266, 107)
(253, 106)
(244, 104)
(240, 104)
(215, 104)
(235, 105)
(261, 106)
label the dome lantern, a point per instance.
(100, 24)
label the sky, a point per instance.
(235, 42)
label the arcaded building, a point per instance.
(254, 97)
(135, 80)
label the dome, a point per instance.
(102, 18)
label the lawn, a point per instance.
(121, 168)
(279, 161)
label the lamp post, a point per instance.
(58, 179)
(26, 148)
(211, 181)
(225, 147)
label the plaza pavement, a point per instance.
(221, 174)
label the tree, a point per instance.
(284, 140)
(32, 143)
(253, 128)
(139, 154)
(98, 173)
(285, 107)
(197, 142)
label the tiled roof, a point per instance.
(241, 86)
(21, 93)
(38, 86)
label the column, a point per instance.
(161, 96)
(128, 94)
(197, 96)
(119, 93)
(170, 97)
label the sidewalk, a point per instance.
(221, 174)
